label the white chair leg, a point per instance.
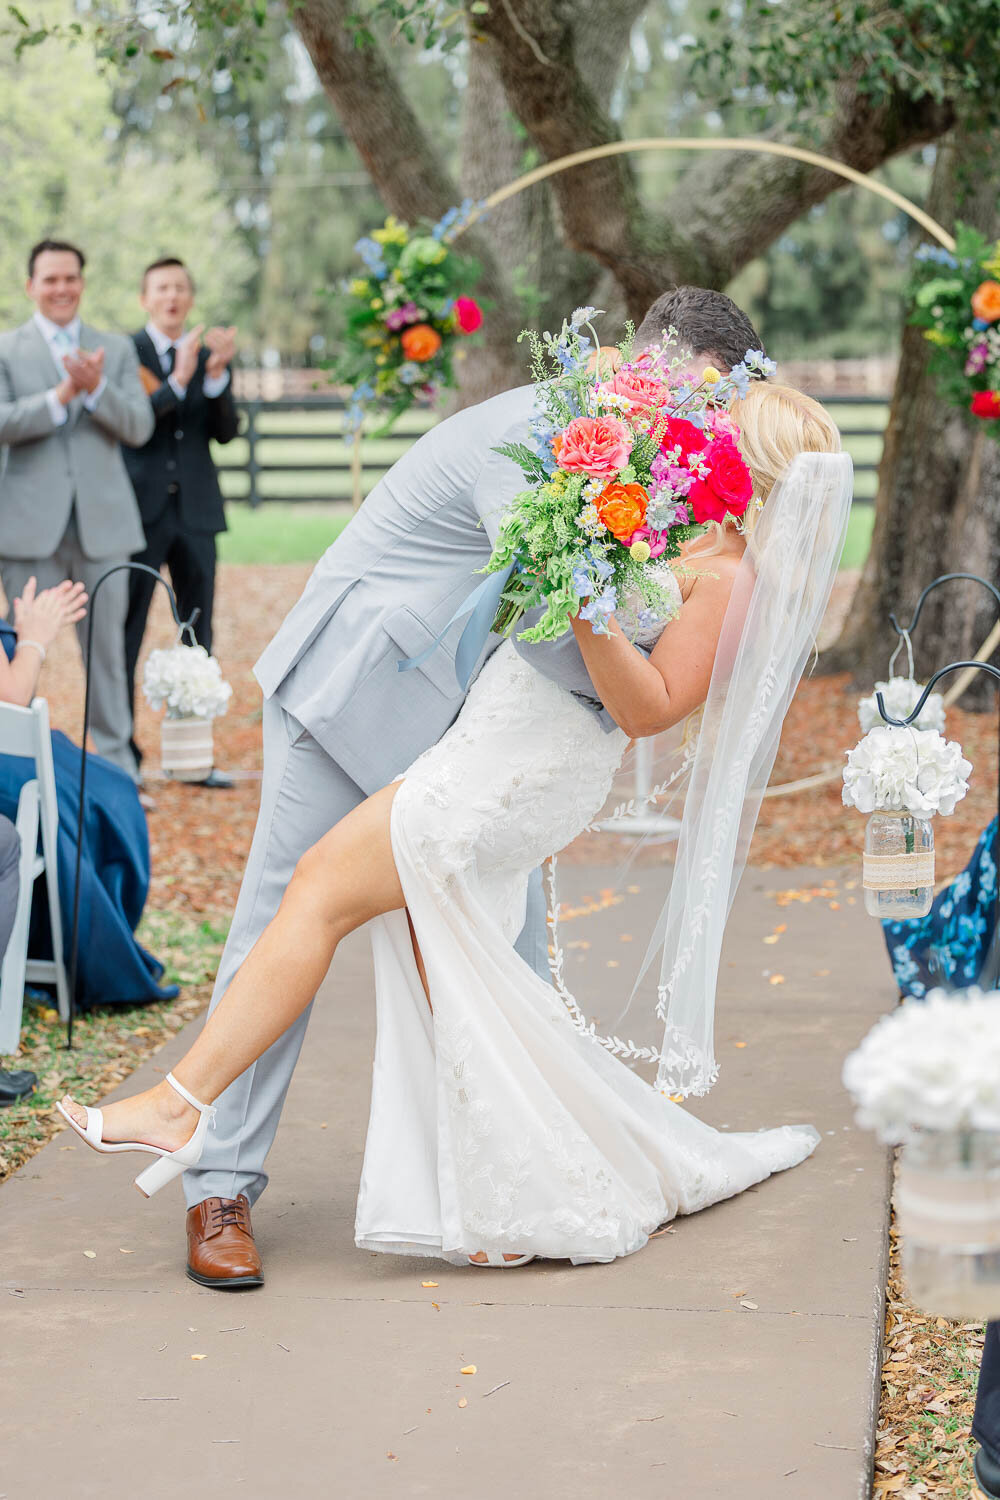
(16, 957)
(50, 852)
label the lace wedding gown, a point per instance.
(495, 1124)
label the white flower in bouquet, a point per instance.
(905, 770)
(900, 696)
(932, 1064)
(187, 682)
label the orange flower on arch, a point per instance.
(420, 342)
(986, 301)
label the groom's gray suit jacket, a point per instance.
(389, 584)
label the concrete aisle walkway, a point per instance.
(736, 1356)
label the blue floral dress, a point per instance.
(947, 948)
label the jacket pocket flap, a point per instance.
(413, 636)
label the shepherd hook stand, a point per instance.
(182, 625)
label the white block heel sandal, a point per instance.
(168, 1164)
(496, 1259)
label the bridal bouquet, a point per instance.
(957, 303)
(405, 315)
(933, 1064)
(623, 466)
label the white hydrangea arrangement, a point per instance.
(905, 770)
(933, 1064)
(187, 682)
(900, 696)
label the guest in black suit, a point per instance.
(986, 1422)
(188, 381)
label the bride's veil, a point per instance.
(718, 769)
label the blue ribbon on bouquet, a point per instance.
(482, 604)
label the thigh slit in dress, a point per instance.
(495, 1124)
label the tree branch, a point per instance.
(388, 135)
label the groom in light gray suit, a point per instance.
(341, 720)
(69, 397)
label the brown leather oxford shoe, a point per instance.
(221, 1250)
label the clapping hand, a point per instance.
(39, 617)
(186, 358)
(85, 369)
(221, 343)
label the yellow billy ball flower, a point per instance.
(377, 302)
(640, 552)
(360, 288)
(710, 375)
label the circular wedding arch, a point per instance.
(716, 143)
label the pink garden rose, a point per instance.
(643, 392)
(593, 445)
(657, 540)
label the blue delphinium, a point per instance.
(599, 611)
(370, 252)
(758, 363)
(937, 255)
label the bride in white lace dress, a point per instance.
(501, 1127)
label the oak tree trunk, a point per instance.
(938, 505)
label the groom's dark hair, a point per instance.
(707, 322)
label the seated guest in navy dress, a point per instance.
(948, 947)
(114, 873)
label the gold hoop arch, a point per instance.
(717, 143)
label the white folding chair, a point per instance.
(25, 731)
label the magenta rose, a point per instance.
(726, 489)
(593, 445)
(657, 540)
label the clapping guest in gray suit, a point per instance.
(69, 397)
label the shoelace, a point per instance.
(231, 1215)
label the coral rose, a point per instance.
(727, 488)
(643, 392)
(622, 508)
(593, 445)
(986, 301)
(985, 404)
(421, 342)
(468, 314)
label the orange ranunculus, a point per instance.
(622, 508)
(420, 342)
(986, 301)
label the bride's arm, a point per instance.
(643, 696)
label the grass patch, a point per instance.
(109, 1043)
(280, 532)
(859, 536)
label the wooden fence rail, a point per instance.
(295, 450)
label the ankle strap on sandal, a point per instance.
(204, 1109)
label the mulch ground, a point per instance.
(199, 843)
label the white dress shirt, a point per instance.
(213, 385)
(64, 339)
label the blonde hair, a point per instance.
(775, 422)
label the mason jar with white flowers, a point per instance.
(188, 683)
(927, 1078)
(901, 776)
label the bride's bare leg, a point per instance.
(338, 885)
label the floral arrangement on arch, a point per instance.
(405, 315)
(622, 466)
(933, 1064)
(957, 304)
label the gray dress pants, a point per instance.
(303, 794)
(110, 716)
